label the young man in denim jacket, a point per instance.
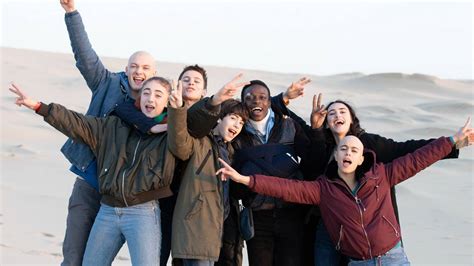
(108, 89)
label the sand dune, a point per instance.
(436, 207)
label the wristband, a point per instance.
(37, 106)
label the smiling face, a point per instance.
(153, 98)
(257, 100)
(338, 119)
(141, 66)
(193, 86)
(349, 154)
(230, 126)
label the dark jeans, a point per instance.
(278, 237)
(167, 209)
(325, 253)
(232, 243)
(84, 204)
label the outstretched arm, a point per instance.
(409, 165)
(87, 61)
(180, 143)
(305, 192)
(203, 115)
(74, 125)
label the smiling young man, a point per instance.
(270, 144)
(203, 203)
(108, 89)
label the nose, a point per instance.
(139, 69)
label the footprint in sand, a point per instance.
(47, 234)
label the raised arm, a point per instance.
(86, 129)
(407, 166)
(305, 192)
(87, 61)
(180, 143)
(203, 115)
(387, 149)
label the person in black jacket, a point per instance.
(329, 125)
(268, 145)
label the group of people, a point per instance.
(164, 168)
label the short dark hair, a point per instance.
(196, 68)
(233, 106)
(253, 82)
(355, 128)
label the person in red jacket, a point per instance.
(362, 225)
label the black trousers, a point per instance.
(84, 204)
(278, 237)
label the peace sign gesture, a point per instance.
(465, 136)
(176, 96)
(22, 98)
(296, 89)
(318, 113)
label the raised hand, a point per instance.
(22, 98)
(296, 89)
(68, 5)
(227, 171)
(176, 95)
(318, 113)
(465, 136)
(228, 90)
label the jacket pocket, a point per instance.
(339, 240)
(196, 208)
(391, 225)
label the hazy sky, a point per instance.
(304, 37)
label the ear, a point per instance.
(219, 120)
(361, 160)
(126, 71)
(204, 92)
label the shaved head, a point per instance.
(141, 66)
(349, 154)
(353, 141)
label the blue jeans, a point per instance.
(395, 256)
(84, 204)
(325, 252)
(139, 225)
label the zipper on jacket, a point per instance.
(362, 224)
(393, 227)
(198, 171)
(377, 192)
(338, 246)
(124, 171)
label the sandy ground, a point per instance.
(436, 206)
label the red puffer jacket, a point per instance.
(363, 225)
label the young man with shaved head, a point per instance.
(108, 89)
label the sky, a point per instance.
(320, 38)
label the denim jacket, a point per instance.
(108, 89)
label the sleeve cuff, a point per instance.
(69, 14)
(43, 109)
